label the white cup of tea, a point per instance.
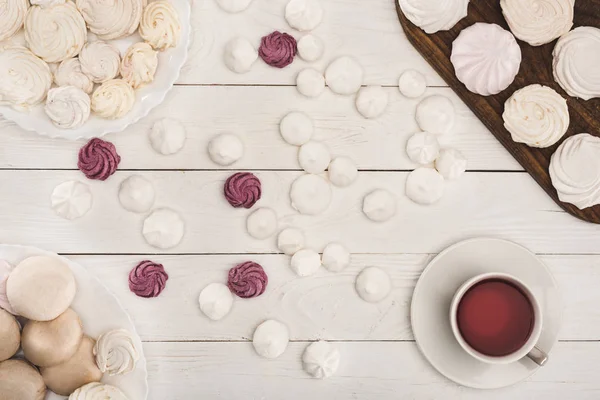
(496, 319)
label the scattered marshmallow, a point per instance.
(336, 257)
(216, 301)
(296, 128)
(321, 359)
(371, 101)
(310, 194)
(379, 205)
(163, 229)
(436, 114)
(304, 15)
(342, 172)
(167, 136)
(305, 262)
(136, 194)
(344, 75)
(425, 186)
(270, 339)
(412, 84)
(310, 48)
(290, 240)
(451, 163)
(262, 223)
(314, 157)
(423, 148)
(373, 284)
(71, 200)
(239, 55)
(310, 82)
(225, 149)
(233, 6)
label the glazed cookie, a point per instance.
(111, 19)
(20, 381)
(160, 25)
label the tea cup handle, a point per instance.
(538, 356)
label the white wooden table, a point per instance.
(192, 358)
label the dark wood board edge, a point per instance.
(535, 68)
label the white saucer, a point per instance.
(431, 305)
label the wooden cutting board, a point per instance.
(536, 67)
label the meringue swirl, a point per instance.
(116, 353)
(576, 60)
(139, 65)
(148, 279)
(160, 25)
(111, 19)
(434, 15)
(97, 391)
(98, 159)
(24, 78)
(12, 16)
(538, 22)
(68, 107)
(536, 115)
(69, 73)
(46, 3)
(247, 280)
(100, 61)
(278, 49)
(55, 33)
(113, 99)
(575, 170)
(242, 189)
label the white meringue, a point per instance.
(136, 194)
(425, 186)
(290, 240)
(68, 107)
(486, 58)
(270, 339)
(342, 172)
(344, 75)
(167, 136)
(310, 194)
(305, 262)
(436, 114)
(575, 170)
(262, 223)
(97, 391)
(310, 82)
(116, 353)
(434, 15)
(310, 48)
(5, 269)
(234, 6)
(336, 257)
(113, 99)
(575, 63)
(412, 84)
(71, 200)
(12, 16)
(379, 205)
(321, 359)
(536, 115)
(111, 19)
(296, 128)
(160, 25)
(100, 61)
(451, 164)
(216, 301)
(25, 79)
(225, 149)
(373, 284)
(371, 101)
(304, 15)
(314, 157)
(55, 33)
(239, 55)
(422, 148)
(46, 3)
(538, 22)
(139, 64)
(69, 73)
(163, 229)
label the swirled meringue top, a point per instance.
(139, 64)
(242, 189)
(538, 22)
(247, 280)
(12, 16)
(576, 61)
(116, 353)
(434, 15)
(148, 279)
(160, 25)
(575, 170)
(100, 61)
(68, 107)
(111, 19)
(55, 33)
(113, 99)
(97, 391)
(69, 73)
(536, 115)
(24, 78)
(46, 3)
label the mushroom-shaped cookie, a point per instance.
(10, 335)
(53, 342)
(79, 370)
(20, 381)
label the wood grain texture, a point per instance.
(536, 67)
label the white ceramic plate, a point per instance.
(169, 66)
(431, 305)
(99, 311)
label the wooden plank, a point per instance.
(321, 307)
(254, 113)
(382, 371)
(506, 205)
(536, 68)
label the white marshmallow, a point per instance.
(412, 84)
(271, 339)
(233, 6)
(371, 101)
(425, 186)
(314, 157)
(321, 359)
(215, 301)
(344, 75)
(290, 240)
(262, 223)
(422, 148)
(310, 194)
(451, 164)
(71, 200)
(336, 257)
(296, 128)
(310, 48)
(310, 82)
(304, 15)
(239, 55)
(305, 262)
(225, 149)
(167, 136)
(379, 205)
(342, 171)
(373, 284)
(436, 114)
(136, 194)
(163, 229)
